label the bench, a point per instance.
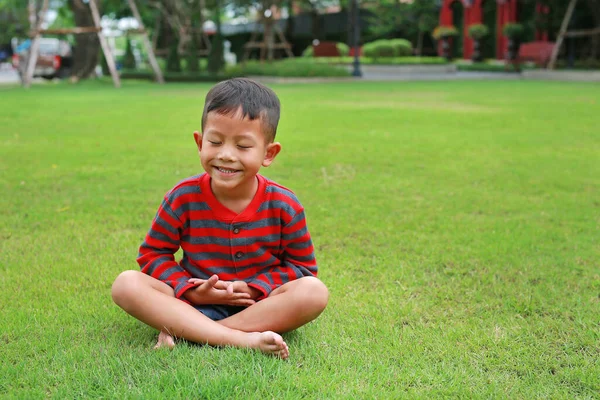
(326, 49)
(538, 52)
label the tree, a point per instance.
(216, 59)
(13, 19)
(87, 46)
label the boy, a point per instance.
(248, 270)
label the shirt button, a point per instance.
(239, 254)
(236, 230)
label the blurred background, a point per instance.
(193, 39)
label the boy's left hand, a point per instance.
(231, 287)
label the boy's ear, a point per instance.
(198, 139)
(272, 150)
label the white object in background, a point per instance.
(230, 58)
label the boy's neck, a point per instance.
(237, 200)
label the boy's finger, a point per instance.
(210, 282)
(221, 285)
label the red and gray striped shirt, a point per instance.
(267, 245)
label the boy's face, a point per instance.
(232, 150)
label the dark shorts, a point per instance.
(218, 312)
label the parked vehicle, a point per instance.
(54, 60)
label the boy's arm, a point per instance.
(156, 257)
(297, 258)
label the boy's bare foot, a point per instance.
(270, 343)
(165, 340)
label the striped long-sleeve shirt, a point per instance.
(267, 245)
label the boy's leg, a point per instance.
(153, 302)
(288, 307)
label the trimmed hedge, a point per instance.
(388, 48)
(294, 67)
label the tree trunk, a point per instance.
(87, 45)
(594, 7)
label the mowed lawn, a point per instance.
(456, 224)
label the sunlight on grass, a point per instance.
(456, 224)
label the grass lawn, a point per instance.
(456, 224)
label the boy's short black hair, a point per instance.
(255, 100)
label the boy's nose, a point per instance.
(226, 155)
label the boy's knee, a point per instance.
(124, 285)
(315, 292)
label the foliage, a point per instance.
(343, 49)
(379, 49)
(513, 30)
(467, 270)
(444, 31)
(478, 31)
(388, 48)
(402, 47)
(129, 58)
(384, 17)
(308, 52)
(13, 20)
(299, 67)
(173, 60)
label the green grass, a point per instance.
(457, 226)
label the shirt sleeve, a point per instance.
(297, 261)
(157, 253)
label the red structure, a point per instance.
(506, 11)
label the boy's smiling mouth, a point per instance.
(226, 170)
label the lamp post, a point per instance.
(356, 38)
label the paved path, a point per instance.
(8, 75)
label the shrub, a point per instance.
(291, 67)
(343, 49)
(308, 52)
(402, 47)
(379, 49)
(513, 30)
(478, 31)
(444, 31)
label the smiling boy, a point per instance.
(248, 271)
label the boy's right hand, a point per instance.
(209, 292)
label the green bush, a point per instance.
(291, 67)
(444, 31)
(402, 47)
(379, 49)
(388, 48)
(343, 49)
(478, 31)
(308, 52)
(513, 31)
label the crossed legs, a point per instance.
(287, 308)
